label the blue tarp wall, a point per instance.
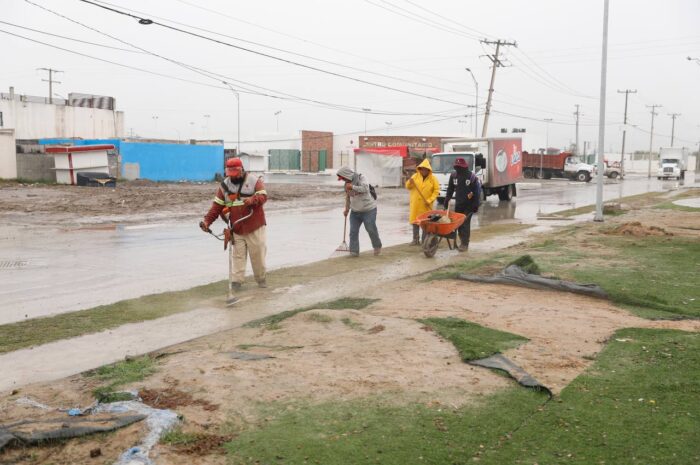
(162, 161)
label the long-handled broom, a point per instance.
(343, 247)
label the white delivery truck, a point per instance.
(673, 162)
(497, 163)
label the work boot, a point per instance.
(377, 251)
(262, 283)
(415, 241)
(235, 286)
(231, 299)
(463, 247)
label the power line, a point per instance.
(213, 86)
(146, 21)
(50, 80)
(321, 60)
(472, 30)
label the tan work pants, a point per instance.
(253, 244)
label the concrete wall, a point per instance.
(8, 159)
(36, 167)
(313, 142)
(33, 120)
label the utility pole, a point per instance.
(673, 125)
(476, 103)
(601, 118)
(496, 63)
(627, 92)
(50, 80)
(651, 137)
(577, 113)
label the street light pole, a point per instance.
(238, 116)
(277, 118)
(366, 110)
(476, 103)
(546, 148)
(601, 119)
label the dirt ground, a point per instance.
(138, 199)
(322, 355)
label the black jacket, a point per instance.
(461, 185)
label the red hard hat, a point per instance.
(234, 166)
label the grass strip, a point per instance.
(673, 206)
(639, 404)
(473, 341)
(375, 431)
(118, 374)
(37, 331)
(356, 303)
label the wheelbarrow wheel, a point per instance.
(430, 244)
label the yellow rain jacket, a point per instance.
(429, 187)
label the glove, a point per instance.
(345, 212)
(249, 201)
(476, 210)
(204, 226)
(348, 186)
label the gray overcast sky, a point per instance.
(556, 64)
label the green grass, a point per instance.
(318, 318)
(350, 323)
(471, 340)
(640, 199)
(673, 206)
(338, 304)
(527, 263)
(38, 331)
(374, 431)
(118, 374)
(176, 437)
(453, 271)
(662, 275)
(639, 404)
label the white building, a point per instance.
(29, 117)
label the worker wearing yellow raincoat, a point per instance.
(424, 188)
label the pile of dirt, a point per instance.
(171, 398)
(637, 229)
(203, 444)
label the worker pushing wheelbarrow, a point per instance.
(438, 225)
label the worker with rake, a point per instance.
(361, 205)
(424, 188)
(239, 201)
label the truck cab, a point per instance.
(443, 164)
(576, 169)
(673, 161)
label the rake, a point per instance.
(343, 247)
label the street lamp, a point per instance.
(476, 103)
(155, 122)
(696, 60)
(277, 115)
(206, 125)
(463, 122)
(366, 110)
(192, 129)
(238, 116)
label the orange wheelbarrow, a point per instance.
(435, 232)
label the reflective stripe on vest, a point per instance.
(247, 190)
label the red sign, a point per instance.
(506, 165)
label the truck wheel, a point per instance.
(506, 193)
(583, 176)
(613, 175)
(539, 174)
(548, 175)
(528, 174)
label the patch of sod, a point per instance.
(453, 271)
(673, 206)
(318, 318)
(662, 275)
(527, 263)
(355, 303)
(639, 404)
(352, 324)
(372, 431)
(118, 374)
(471, 340)
(38, 331)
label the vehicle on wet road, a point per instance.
(545, 165)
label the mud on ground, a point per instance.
(323, 355)
(141, 197)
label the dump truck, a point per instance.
(673, 162)
(558, 165)
(497, 162)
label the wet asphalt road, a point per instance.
(46, 271)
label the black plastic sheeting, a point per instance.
(516, 276)
(28, 432)
(501, 362)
